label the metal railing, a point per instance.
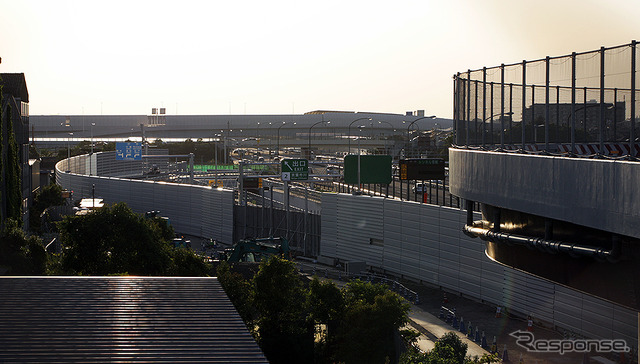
(577, 104)
(343, 276)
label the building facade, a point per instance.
(15, 126)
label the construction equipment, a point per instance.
(254, 250)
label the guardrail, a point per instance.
(339, 275)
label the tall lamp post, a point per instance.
(572, 125)
(413, 122)
(69, 152)
(359, 136)
(278, 146)
(392, 127)
(258, 138)
(502, 126)
(349, 136)
(319, 122)
(69, 146)
(91, 155)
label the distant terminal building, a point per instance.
(331, 131)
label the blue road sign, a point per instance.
(128, 151)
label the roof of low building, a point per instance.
(121, 319)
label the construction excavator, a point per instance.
(255, 250)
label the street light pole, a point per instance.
(392, 127)
(502, 115)
(360, 134)
(69, 152)
(349, 132)
(319, 122)
(278, 146)
(413, 122)
(69, 146)
(572, 134)
(91, 155)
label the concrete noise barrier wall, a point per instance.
(194, 210)
(426, 243)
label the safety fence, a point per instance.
(582, 103)
(301, 229)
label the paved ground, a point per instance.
(425, 318)
(484, 317)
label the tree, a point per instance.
(326, 306)
(279, 299)
(187, 264)
(115, 240)
(19, 254)
(238, 290)
(360, 319)
(449, 349)
(46, 197)
(372, 316)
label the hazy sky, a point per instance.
(279, 57)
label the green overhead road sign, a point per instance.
(373, 169)
(295, 169)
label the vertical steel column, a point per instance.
(491, 113)
(271, 212)
(632, 136)
(533, 116)
(511, 113)
(615, 114)
(484, 101)
(456, 78)
(546, 106)
(467, 116)
(502, 106)
(558, 114)
(262, 212)
(191, 168)
(285, 197)
(584, 116)
(496, 219)
(469, 207)
(601, 129)
(241, 182)
(475, 117)
(524, 103)
(573, 104)
(305, 224)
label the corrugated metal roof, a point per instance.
(121, 319)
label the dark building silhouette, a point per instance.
(15, 102)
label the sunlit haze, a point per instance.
(281, 57)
